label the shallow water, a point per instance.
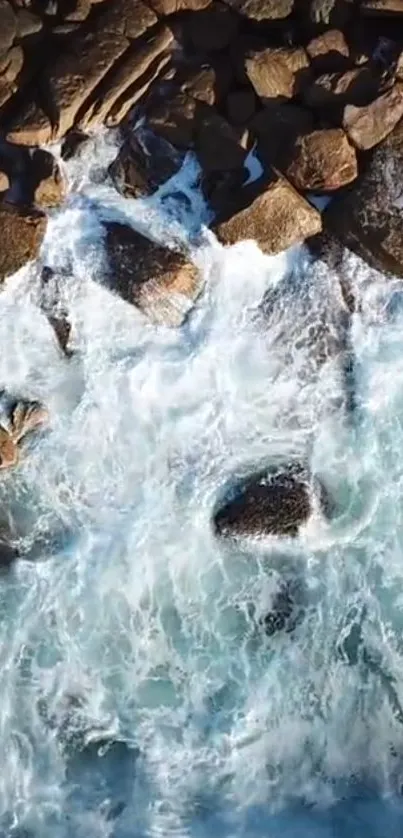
(138, 695)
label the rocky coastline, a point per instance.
(312, 88)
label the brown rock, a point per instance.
(27, 23)
(273, 215)
(174, 120)
(329, 52)
(162, 283)
(8, 450)
(169, 7)
(44, 181)
(240, 106)
(277, 128)
(211, 29)
(30, 127)
(79, 12)
(24, 417)
(274, 501)
(369, 219)
(128, 18)
(354, 87)
(323, 161)
(216, 143)
(12, 65)
(134, 93)
(143, 164)
(209, 84)
(129, 79)
(369, 125)
(21, 235)
(8, 26)
(262, 10)
(4, 182)
(72, 142)
(381, 7)
(277, 73)
(399, 67)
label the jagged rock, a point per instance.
(23, 418)
(211, 29)
(329, 52)
(162, 283)
(21, 235)
(44, 182)
(273, 501)
(369, 125)
(28, 23)
(169, 7)
(331, 12)
(262, 10)
(369, 220)
(273, 214)
(143, 164)
(278, 73)
(323, 161)
(381, 7)
(8, 26)
(277, 128)
(208, 84)
(72, 142)
(240, 106)
(129, 80)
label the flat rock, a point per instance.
(369, 219)
(329, 52)
(21, 236)
(369, 125)
(144, 163)
(162, 283)
(273, 501)
(262, 10)
(128, 18)
(169, 7)
(277, 74)
(323, 161)
(381, 7)
(274, 215)
(8, 26)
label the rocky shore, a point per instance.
(312, 88)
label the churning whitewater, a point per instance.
(139, 695)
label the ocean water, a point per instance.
(138, 694)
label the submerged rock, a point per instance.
(143, 164)
(272, 501)
(162, 283)
(280, 614)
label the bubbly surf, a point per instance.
(139, 697)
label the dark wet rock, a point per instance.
(174, 120)
(277, 129)
(369, 125)
(262, 10)
(273, 501)
(209, 84)
(280, 614)
(211, 29)
(322, 161)
(44, 182)
(143, 164)
(329, 52)
(8, 552)
(353, 87)
(240, 106)
(8, 26)
(278, 74)
(331, 12)
(369, 219)
(272, 213)
(21, 236)
(162, 283)
(216, 142)
(72, 142)
(52, 305)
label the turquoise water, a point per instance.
(138, 695)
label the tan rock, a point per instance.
(323, 161)
(216, 142)
(25, 417)
(277, 73)
(262, 10)
(136, 62)
(4, 182)
(329, 52)
(8, 450)
(27, 23)
(369, 125)
(21, 235)
(276, 218)
(45, 180)
(132, 94)
(169, 7)
(129, 18)
(30, 127)
(381, 7)
(12, 65)
(162, 283)
(8, 26)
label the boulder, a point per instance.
(43, 181)
(8, 26)
(216, 142)
(23, 418)
(211, 29)
(128, 18)
(174, 120)
(277, 128)
(329, 52)
(272, 213)
(369, 219)
(262, 10)
(323, 161)
(28, 23)
(209, 84)
(277, 74)
(354, 87)
(162, 283)
(274, 501)
(369, 125)
(21, 236)
(144, 163)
